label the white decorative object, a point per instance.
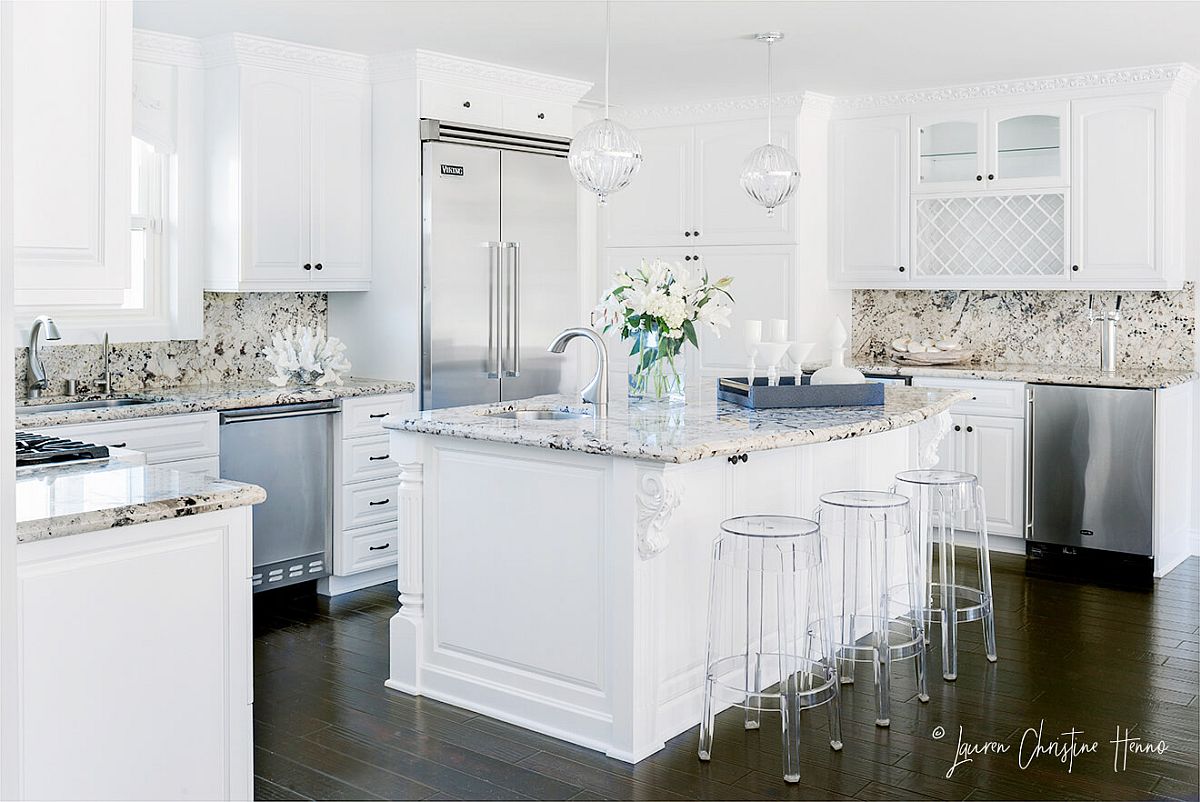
(656, 500)
(927, 351)
(306, 357)
(605, 156)
(799, 352)
(770, 174)
(776, 330)
(837, 372)
(772, 354)
(930, 433)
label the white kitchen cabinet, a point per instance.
(688, 192)
(869, 201)
(135, 662)
(1118, 183)
(1028, 146)
(72, 125)
(165, 439)
(949, 151)
(289, 181)
(458, 104)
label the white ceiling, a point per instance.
(682, 50)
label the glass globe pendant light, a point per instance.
(605, 156)
(770, 174)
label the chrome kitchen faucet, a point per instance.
(596, 393)
(35, 371)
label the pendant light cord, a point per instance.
(769, 43)
(607, 46)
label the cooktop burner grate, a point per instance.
(41, 449)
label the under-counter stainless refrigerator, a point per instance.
(499, 265)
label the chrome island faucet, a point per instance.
(35, 371)
(596, 393)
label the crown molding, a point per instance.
(167, 48)
(729, 108)
(481, 75)
(258, 51)
(1170, 77)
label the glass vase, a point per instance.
(656, 368)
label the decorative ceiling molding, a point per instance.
(481, 75)
(1176, 77)
(258, 51)
(729, 108)
(167, 48)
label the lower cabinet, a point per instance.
(134, 649)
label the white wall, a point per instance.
(1192, 259)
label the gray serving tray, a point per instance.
(789, 394)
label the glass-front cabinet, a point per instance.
(998, 148)
(951, 151)
(1027, 147)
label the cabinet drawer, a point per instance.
(364, 416)
(210, 466)
(537, 116)
(366, 458)
(163, 439)
(455, 104)
(370, 547)
(1005, 399)
(369, 502)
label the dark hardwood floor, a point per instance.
(1074, 655)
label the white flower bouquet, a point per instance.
(306, 357)
(658, 307)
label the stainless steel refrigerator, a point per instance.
(499, 265)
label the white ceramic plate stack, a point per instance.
(927, 351)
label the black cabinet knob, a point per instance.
(687, 233)
(466, 104)
(695, 233)
(541, 115)
(745, 457)
(736, 458)
(317, 266)
(901, 268)
(991, 176)
(307, 267)
(687, 258)
(970, 428)
(1075, 268)
(958, 428)
(978, 178)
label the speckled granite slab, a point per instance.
(70, 500)
(204, 398)
(1137, 378)
(702, 428)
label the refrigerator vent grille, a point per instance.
(438, 131)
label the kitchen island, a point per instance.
(553, 573)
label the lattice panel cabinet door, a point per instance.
(990, 238)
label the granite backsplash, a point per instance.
(237, 326)
(1042, 327)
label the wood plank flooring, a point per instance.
(1072, 655)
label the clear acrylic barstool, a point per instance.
(941, 502)
(877, 587)
(767, 588)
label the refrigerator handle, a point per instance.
(513, 363)
(1029, 416)
(494, 298)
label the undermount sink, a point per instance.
(98, 403)
(538, 414)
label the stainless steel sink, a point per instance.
(538, 414)
(99, 403)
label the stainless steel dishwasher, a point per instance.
(286, 450)
(1090, 471)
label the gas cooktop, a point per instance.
(37, 450)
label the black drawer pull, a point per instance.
(117, 445)
(378, 503)
(380, 415)
(381, 456)
(379, 548)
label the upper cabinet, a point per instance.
(1078, 185)
(289, 181)
(451, 103)
(688, 189)
(71, 129)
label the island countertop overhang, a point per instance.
(686, 433)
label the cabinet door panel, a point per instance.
(72, 122)
(1116, 185)
(275, 177)
(765, 484)
(763, 287)
(1028, 146)
(995, 452)
(655, 209)
(950, 151)
(341, 185)
(869, 201)
(724, 213)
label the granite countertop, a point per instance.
(56, 501)
(201, 398)
(1134, 377)
(704, 427)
